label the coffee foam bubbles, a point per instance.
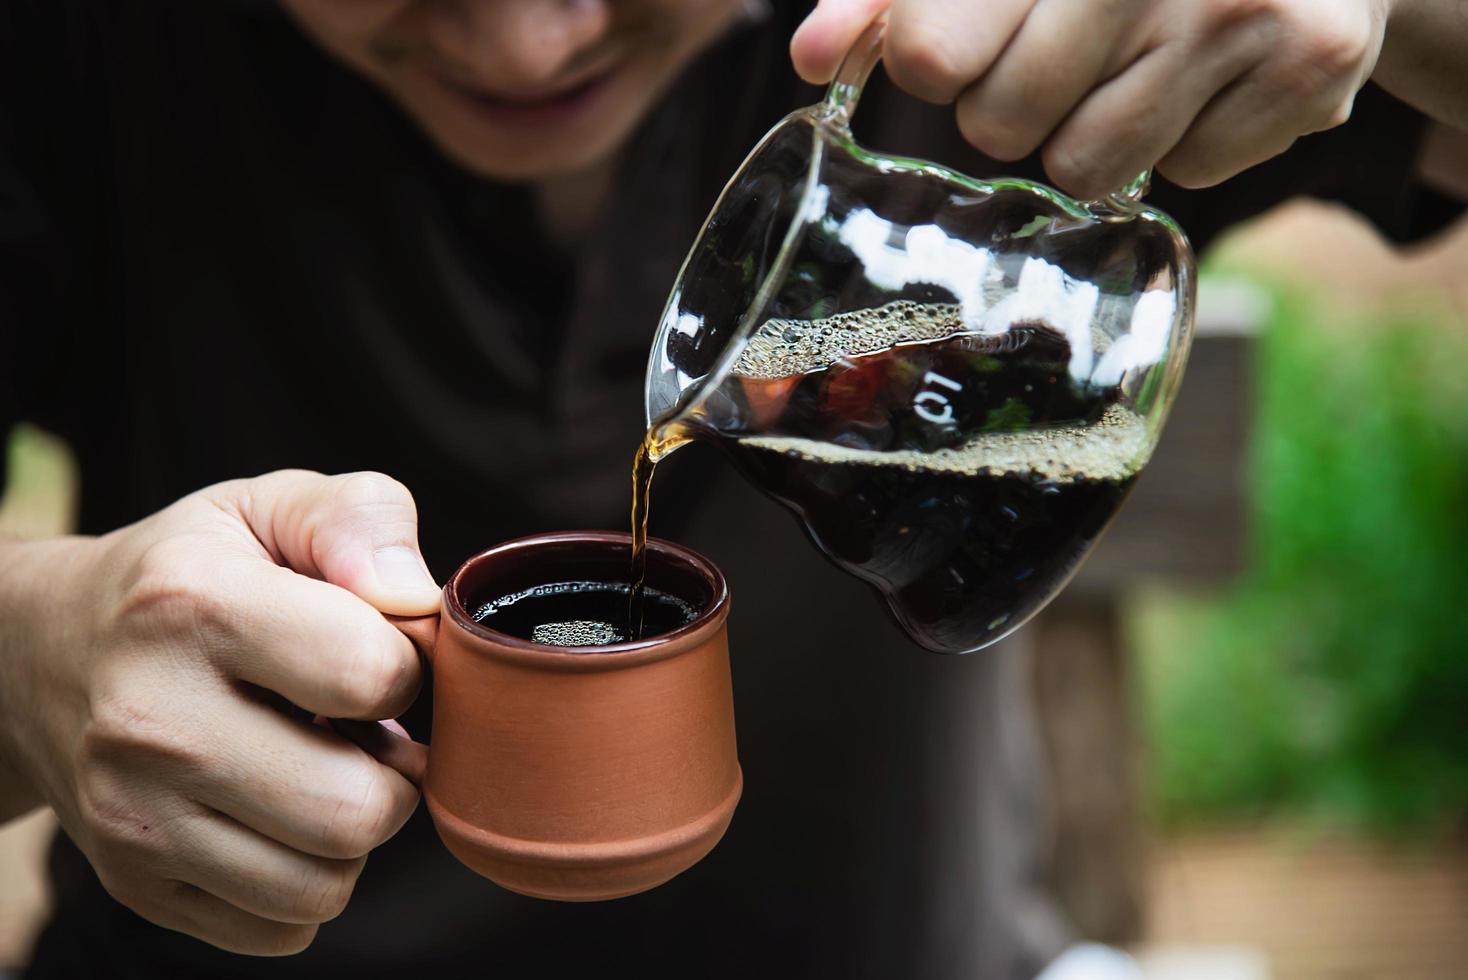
(783, 348)
(577, 633)
(1113, 448)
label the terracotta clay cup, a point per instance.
(576, 774)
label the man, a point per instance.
(429, 238)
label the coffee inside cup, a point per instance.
(574, 594)
(582, 613)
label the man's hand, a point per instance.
(142, 680)
(1202, 89)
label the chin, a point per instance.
(530, 161)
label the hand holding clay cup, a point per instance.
(160, 715)
(152, 687)
(574, 773)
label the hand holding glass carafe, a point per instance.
(953, 383)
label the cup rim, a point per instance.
(612, 655)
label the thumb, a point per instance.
(356, 530)
(821, 42)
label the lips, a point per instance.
(528, 109)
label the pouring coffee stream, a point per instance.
(952, 383)
(657, 443)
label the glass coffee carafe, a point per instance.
(952, 383)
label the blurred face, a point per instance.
(519, 89)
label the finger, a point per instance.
(1049, 66)
(1254, 120)
(1132, 121)
(357, 530)
(188, 909)
(823, 39)
(937, 48)
(258, 875)
(317, 645)
(304, 786)
(387, 742)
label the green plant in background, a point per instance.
(39, 484)
(1333, 679)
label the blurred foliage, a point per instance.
(1332, 680)
(39, 487)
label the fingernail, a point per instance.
(401, 570)
(395, 728)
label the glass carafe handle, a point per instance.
(846, 88)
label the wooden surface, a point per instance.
(1083, 698)
(1331, 909)
(1184, 523)
(1184, 519)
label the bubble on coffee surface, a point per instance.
(577, 633)
(1113, 448)
(783, 348)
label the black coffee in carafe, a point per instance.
(842, 421)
